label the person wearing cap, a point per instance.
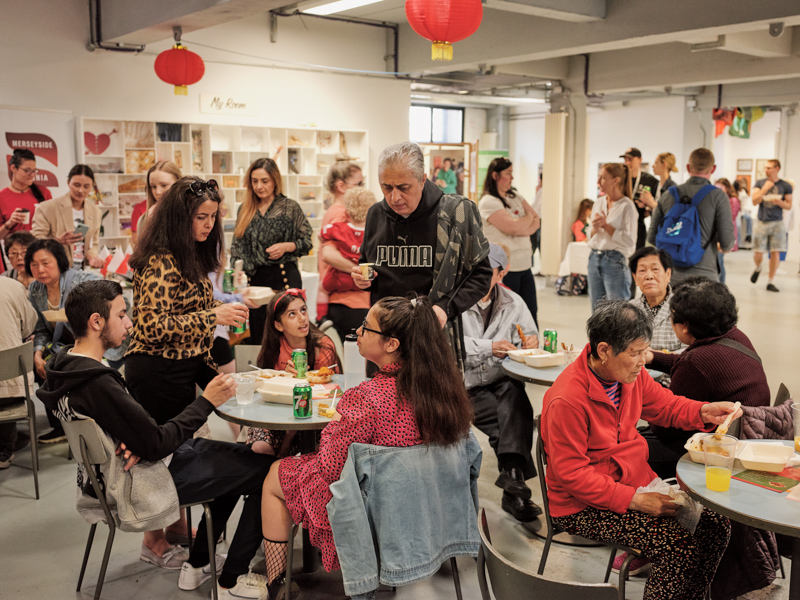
(502, 409)
(641, 182)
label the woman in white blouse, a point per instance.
(612, 236)
(508, 220)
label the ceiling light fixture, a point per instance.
(330, 8)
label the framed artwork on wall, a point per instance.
(744, 165)
(761, 165)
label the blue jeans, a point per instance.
(609, 276)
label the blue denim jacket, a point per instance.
(419, 505)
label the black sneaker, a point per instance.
(754, 276)
(519, 508)
(53, 436)
(771, 288)
(513, 482)
(276, 589)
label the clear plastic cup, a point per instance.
(245, 389)
(796, 415)
(719, 452)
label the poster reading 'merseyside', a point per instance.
(51, 138)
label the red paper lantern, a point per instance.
(444, 22)
(180, 67)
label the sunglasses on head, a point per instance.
(200, 187)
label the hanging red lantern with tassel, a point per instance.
(444, 22)
(180, 67)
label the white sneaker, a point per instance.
(192, 578)
(248, 587)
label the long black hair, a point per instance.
(501, 163)
(171, 231)
(428, 378)
(271, 343)
(17, 157)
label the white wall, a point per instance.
(474, 123)
(526, 141)
(653, 126)
(56, 72)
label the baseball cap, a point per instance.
(497, 257)
(632, 152)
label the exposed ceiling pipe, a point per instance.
(95, 33)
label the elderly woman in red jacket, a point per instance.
(597, 459)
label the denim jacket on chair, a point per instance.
(418, 504)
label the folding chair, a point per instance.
(84, 441)
(16, 362)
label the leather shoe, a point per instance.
(520, 508)
(513, 482)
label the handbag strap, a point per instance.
(738, 346)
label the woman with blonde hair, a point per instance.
(271, 234)
(159, 179)
(344, 175)
(612, 236)
(662, 167)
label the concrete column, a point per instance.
(497, 119)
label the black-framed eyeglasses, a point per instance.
(365, 328)
(200, 187)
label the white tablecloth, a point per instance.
(576, 259)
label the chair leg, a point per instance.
(287, 590)
(86, 555)
(545, 552)
(456, 579)
(212, 548)
(106, 555)
(780, 562)
(623, 574)
(610, 564)
(34, 455)
(188, 510)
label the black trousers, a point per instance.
(204, 469)
(523, 283)
(504, 413)
(279, 278)
(345, 319)
(664, 453)
(8, 431)
(163, 386)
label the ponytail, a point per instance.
(17, 157)
(428, 378)
(623, 173)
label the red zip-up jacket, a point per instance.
(595, 455)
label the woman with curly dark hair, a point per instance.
(719, 364)
(174, 311)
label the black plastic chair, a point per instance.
(16, 362)
(553, 529)
(84, 441)
(510, 582)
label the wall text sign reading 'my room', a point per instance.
(221, 104)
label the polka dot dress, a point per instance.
(370, 415)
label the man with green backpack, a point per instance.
(691, 219)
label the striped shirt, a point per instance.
(613, 389)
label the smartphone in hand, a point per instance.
(81, 229)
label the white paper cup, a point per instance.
(367, 271)
(26, 217)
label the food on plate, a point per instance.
(521, 335)
(323, 410)
(323, 375)
(570, 349)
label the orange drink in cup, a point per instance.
(796, 415)
(719, 452)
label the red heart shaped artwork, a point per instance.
(97, 144)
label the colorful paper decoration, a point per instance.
(444, 22)
(180, 67)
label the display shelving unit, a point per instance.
(121, 152)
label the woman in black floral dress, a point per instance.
(271, 234)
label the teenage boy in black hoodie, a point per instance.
(79, 384)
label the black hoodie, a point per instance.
(402, 248)
(80, 386)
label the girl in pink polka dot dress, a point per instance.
(417, 397)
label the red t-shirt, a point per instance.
(11, 200)
(138, 211)
(347, 238)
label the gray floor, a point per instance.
(42, 541)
